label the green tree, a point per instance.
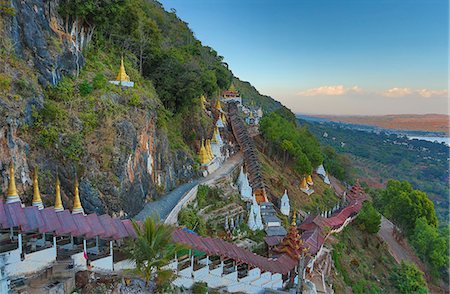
(152, 249)
(369, 219)
(430, 245)
(404, 205)
(408, 279)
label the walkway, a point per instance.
(164, 205)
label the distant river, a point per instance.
(432, 139)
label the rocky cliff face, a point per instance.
(37, 34)
(126, 162)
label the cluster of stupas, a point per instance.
(254, 216)
(323, 174)
(210, 149)
(305, 185)
(122, 78)
(12, 195)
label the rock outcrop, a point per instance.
(126, 161)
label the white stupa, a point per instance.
(245, 189)
(321, 171)
(258, 220)
(240, 177)
(285, 207)
(251, 220)
(219, 138)
(219, 123)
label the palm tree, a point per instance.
(152, 249)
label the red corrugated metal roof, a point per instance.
(51, 219)
(96, 227)
(213, 246)
(30, 219)
(82, 224)
(3, 218)
(129, 227)
(110, 229)
(68, 225)
(34, 220)
(120, 229)
(15, 215)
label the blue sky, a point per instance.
(330, 56)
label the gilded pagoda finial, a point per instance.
(77, 208)
(122, 75)
(12, 195)
(58, 202)
(37, 201)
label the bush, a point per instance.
(99, 81)
(5, 83)
(135, 100)
(25, 87)
(89, 120)
(73, 148)
(407, 278)
(369, 219)
(63, 91)
(200, 288)
(48, 136)
(85, 88)
(52, 112)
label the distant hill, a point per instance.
(413, 122)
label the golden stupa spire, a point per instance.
(202, 102)
(122, 75)
(303, 184)
(232, 88)
(77, 208)
(12, 195)
(223, 118)
(218, 106)
(309, 180)
(294, 218)
(209, 150)
(203, 154)
(37, 201)
(58, 202)
(214, 136)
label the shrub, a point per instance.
(407, 278)
(73, 149)
(135, 100)
(24, 87)
(89, 120)
(48, 136)
(200, 288)
(99, 81)
(63, 91)
(5, 83)
(85, 88)
(52, 112)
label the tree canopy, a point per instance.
(402, 204)
(369, 219)
(409, 279)
(296, 144)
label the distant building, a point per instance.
(122, 78)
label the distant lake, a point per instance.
(444, 140)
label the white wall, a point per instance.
(172, 218)
(124, 264)
(103, 263)
(79, 261)
(33, 262)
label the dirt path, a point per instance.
(402, 251)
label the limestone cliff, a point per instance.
(123, 159)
